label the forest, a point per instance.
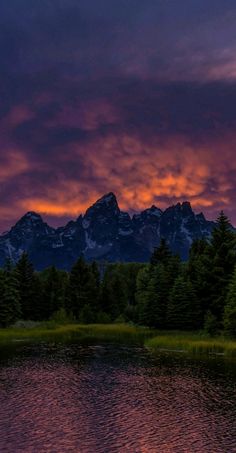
(162, 294)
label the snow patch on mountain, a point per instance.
(90, 243)
(104, 233)
(86, 223)
(125, 232)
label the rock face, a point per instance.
(104, 233)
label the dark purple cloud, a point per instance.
(130, 96)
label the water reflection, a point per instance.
(89, 399)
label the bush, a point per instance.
(87, 315)
(62, 317)
(120, 320)
(22, 324)
(211, 325)
(103, 318)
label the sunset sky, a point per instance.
(131, 96)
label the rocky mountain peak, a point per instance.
(105, 233)
(187, 208)
(180, 210)
(109, 201)
(31, 216)
(108, 198)
(153, 211)
(29, 221)
(106, 206)
(201, 217)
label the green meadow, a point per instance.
(192, 343)
(99, 332)
(159, 341)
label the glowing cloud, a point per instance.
(134, 97)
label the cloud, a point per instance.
(130, 96)
(149, 143)
(140, 173)
(12, 164)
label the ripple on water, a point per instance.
(105, 399)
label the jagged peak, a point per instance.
(184, 206)
(201, 216)
(107, 201)
(186, 203)
(151, 212)
(154, 210)
(108, 198)
(31, 216)
(30, 221)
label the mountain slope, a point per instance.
(104, 233)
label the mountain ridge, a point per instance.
(104, 232)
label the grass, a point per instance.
(172, 341)
(24, 334)
(47, 331)
(193, 343)
(117, 332)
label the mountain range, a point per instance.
(104, 233)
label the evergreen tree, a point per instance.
(114, 293)
(96, 279)
(26, 284)
(161, 254)
(211, 324)
(142, 294)
(129, 272)
(38, 299)
(221, 262)
(9, 297)
(95, 271)
(81, 289)
(87, 315)
(197, 269)
(183, 310)
(154, 285)
(230, 308)
(157, 297)
(53, 283)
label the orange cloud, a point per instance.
(140, 174)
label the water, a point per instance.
(106, 398)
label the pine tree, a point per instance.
(9, 297)
(87, 315)
(81, 289)
(95, 271)
(183, 310)
(26, 284)
(157, 298)
(154, 285)
(142, 293)
(114, 293)
(37, 310)
(221, 262)
(96, 278)
(53, 286)
(197, 269)
(230, 308)
(161, 254)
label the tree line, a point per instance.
(165, 293)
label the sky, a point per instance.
(134, 97)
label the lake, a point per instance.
(104, 398)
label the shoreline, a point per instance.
(159, 341)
